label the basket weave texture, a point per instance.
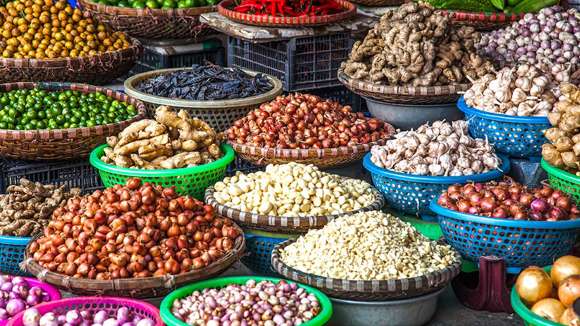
(62, 144)
(368, 290)
(152, 24)
(282, 224)
(274, 21)
(97, 70)
(482, 21)
(403, 94)
(147, 287)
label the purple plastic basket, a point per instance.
(53, 293)
(94, 304)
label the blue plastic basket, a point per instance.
(519, 243)
(12, 251)
(411, 194)
(259, 245)
(515, 136)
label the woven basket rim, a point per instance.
(125, 11)
(465, 108)
(490, 17)
(375, 286)
(127, 284)
(46, 133)
(282, 222)
(131, 90)
(415, 91)
(63, 62)
(302, 21)
(298, 153)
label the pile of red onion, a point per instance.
(16, 295)
(510, 200)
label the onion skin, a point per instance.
(533, 285)
(549, 308)
(569, 318)
(564, 267)
(569, 290)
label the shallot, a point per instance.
(16, 295)
(122, 317)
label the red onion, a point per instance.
(539, 205)
(463, 206)
(499, 212)
(488, 204)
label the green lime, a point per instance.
(138, 4)
(152, 4)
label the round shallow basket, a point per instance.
(225, 9)
(97, 70)
(52, 292)
(93, 305)
(515, 136)
(259, 246)
(412, 194)
(270, 223)
(321, 157)
(170, 320)
(403, 94)
(220, 114)
(519, 243)
(482, 21)
(62, 144)
(144, 287)
(187, 181)
(149, 23)
(563, 180)
(378, 3)
(368, 290)
(12, 251)
(529, 318)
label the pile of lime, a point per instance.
(158, 4)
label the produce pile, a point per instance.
(523, 90)
(507, 6)
(367, 246)
(122, 317)
(28, 109)
(551, 295)
(306, 121)
(293, 190)
(550, 38)
(157, 4)
(16, 295)
(206, 83)
(47, 29)
(415, 45)
(440, 149)
(288, 8)
(26, 208)
(171, 141)
(131, 231)
(253, 303)
(563, 151)
(511, 200)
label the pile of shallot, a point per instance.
(440, 149)
(16, 295)
(511, 200)
(120, 317)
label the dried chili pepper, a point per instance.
(289, 8)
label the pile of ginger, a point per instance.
(415, 45)
(173, 140)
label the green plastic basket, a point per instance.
(321, 319)
(525, 313)
(563, 180)
(187, 181)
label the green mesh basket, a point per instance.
(187, 181)
(562, 180)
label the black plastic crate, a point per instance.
(73, 173)
(177, 56)
(300, 63)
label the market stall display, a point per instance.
(134, 237)
(20, 293)
(306, 129)
(218, 109)
(414, 167)
(290, 198)
(340, 259)
(61, 121)
(184, 299)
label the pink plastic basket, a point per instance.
(94, 304)
(53, 293)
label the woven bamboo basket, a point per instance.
(96, 70)
(224, 8)
(219, 114)
(482, 21)
(379, 3)
(282, 224)
(368, 290)
(152, 24)
(403, 94)
(62, 144)
(145, 287)
(321, 157)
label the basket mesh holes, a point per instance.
(11, 255)
(260, 249)
(566, 186)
